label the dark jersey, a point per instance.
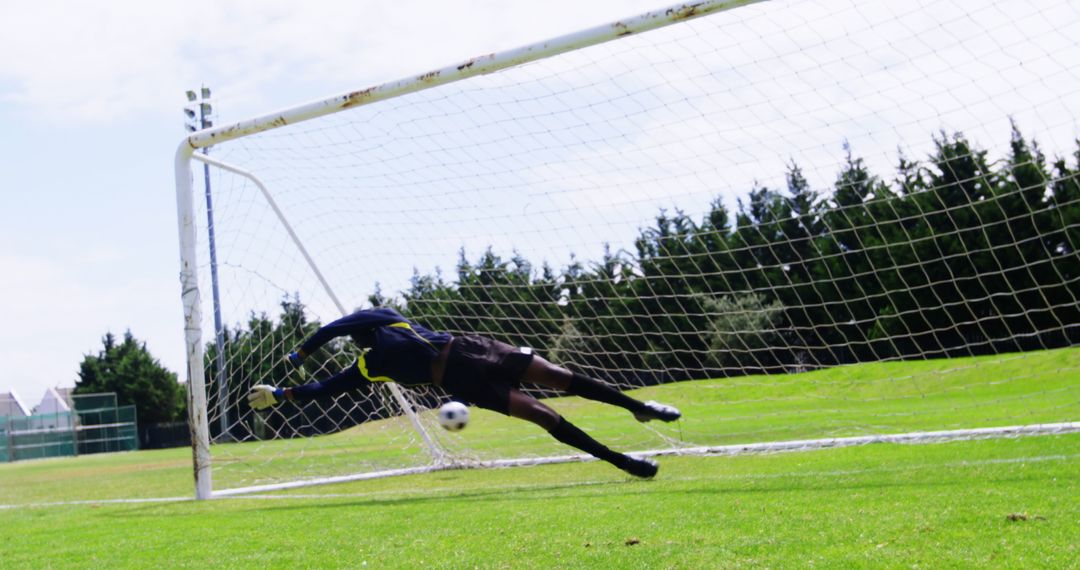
(396, 349)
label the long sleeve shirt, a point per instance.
(398, 350)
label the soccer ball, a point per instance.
(453, 416)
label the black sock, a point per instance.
(569, 434)
(596, 390)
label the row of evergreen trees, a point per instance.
(956, 256)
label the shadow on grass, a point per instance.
(371, 499)
(656, 491)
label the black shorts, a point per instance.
(482, 371)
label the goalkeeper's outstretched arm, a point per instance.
(264, 396)
(357, 323)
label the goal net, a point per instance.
(832, 219)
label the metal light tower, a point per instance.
(198, 112)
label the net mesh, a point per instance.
(776, 190)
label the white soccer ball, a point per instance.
(453, 416)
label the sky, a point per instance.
(91, 98)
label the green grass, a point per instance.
(935, 506)
(985, 503)
(893, 397)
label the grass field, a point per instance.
(891, 397)
(1001, 503)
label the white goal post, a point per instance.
(554, 150)
(209, 137)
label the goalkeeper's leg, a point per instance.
(524, 406)
(542, 372)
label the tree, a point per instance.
(956, 255)
(741, 329)
(137, 378)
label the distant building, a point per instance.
(11, 405)
(65, 424)
(66, 394)
(52, 403)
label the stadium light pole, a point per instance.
(198, 112)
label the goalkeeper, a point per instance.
(471, 368)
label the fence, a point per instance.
(40, 436)
(163, 435)
(95, 425)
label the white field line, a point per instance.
(811, 444)
(913, 437)
(726, 450)
(101, 502)
(449, 492)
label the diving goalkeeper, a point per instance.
(471, 368)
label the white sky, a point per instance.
(90, 102)
(91, 96)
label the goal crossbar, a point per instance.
(479, 65)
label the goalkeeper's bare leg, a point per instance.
(524, 406)
(544, 373)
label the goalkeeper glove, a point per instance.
(262, 396)
(295, 358)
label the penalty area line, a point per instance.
(449, 491)
(705, 451)
(100, 502)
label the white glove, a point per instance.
(262, 396)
